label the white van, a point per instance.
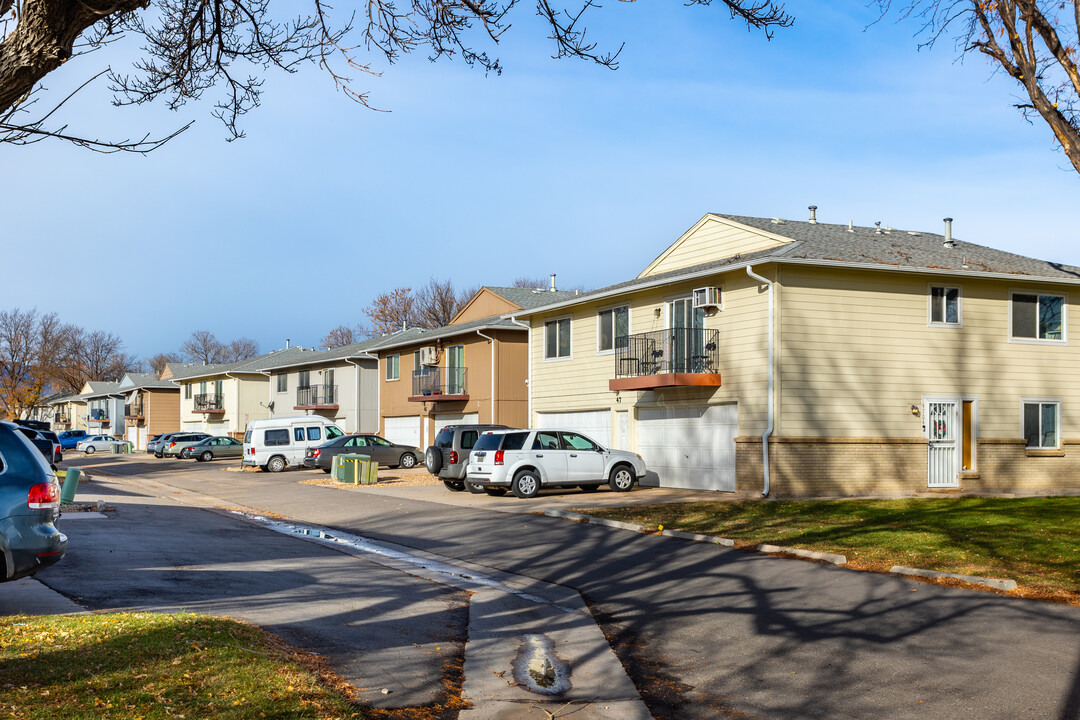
(279, 442)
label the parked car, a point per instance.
(214, 447)
(35, 424)
(276, 443)
(48, 446)
(526, 460)
(448, 457)
(181, 441)
(70, 438)
(378, 449)
(155, 443)
(105, 443)
(29, 508)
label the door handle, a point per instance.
(573, 454)
(539, 455)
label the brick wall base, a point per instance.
(844, 467)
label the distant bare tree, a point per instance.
(29, 342)
(341, 336)
(391, 311)
(202, 347)
(531, 283)
(158, 362)
(435, 304)
(84, 356)
(240, 349)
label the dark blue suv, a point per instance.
(29, 508)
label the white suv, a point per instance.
(526, 460)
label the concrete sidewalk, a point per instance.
(31, 597)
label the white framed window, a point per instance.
(187, 391)
(612, 328)
(282, 382)
(557, 339)
(1037, 317)
(1041, 423)
(945, 306)
(393, 367)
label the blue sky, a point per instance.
(553, 167)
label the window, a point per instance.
(1038, 317)
(1042, 423)
(393, 367)
(613, 327)
(298, 433)
(356, 442)
(303, 379)
(314, 433)
(944, 306)
(514, 441)
(333, 431)
(187, 391)
(557, 338)
(546, 441)
(283, 382)
(468, 439)
(573, 441)
(377, 441)
(277, 437)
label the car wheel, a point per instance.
(433, 460)
(526, 484)
(454, 485)
(186, 453)
(622, 478)
(591, 487)
(207, 456)
(276, 464)
(158, 455)
(90, 449)
(473, 488)
(408, 460)
(326, 470)
(495, 491)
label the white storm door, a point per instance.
(942, 423)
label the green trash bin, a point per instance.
(355, 469)
(71, 483)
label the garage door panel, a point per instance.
(594, 423)
(444, 419)
(403, 430)
(690, 447)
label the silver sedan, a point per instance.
(104, 443)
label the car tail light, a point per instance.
(172, 444)
(498, 457)
(43, 496)
(453, 457)
(316, 452)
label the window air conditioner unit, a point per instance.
(707, 297)
(429, 355)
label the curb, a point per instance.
(713, 539)
(996, 583)
(812, 554)
(594, 521)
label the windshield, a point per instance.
(332, 432)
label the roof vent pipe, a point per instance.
(948, 234)
(552, 288)
(813, 214)
(851, 226)
(286, 343)
(878, 226)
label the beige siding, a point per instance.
(483, 305)
(857, 353)
(581, 383)
(350, 414)
(711, 239)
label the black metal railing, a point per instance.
(208, 401)
(133, 410)
(440, 381)
(678, 350)
(317, 395)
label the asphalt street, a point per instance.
(704, 631)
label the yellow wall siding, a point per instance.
(581, 383)
(857, 353)
(711, 239)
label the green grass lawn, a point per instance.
(1035, 541)
(142, 665)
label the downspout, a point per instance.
(528, 380)
(491, 340)
(269, 390)
(769, 424)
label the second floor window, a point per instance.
(187, 391)
(613, 327)
(283, 382)
(1038, 317)
(557, 338)
(944, 306)
(393, 367)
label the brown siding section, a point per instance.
(162, 408)
(484, 304)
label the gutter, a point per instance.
(528, 379)
(769, 426)
(491, 340)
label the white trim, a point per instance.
(930, 306)
(1036, 340)
(386, 372)
(1040, 401)
(559, 358)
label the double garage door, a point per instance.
(595, 424)
(690, 447)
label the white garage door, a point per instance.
(143, 438)
(132, 437)
(596, 424)
(444, 419)
(218, 428)
(403, 430)
(690, 447)
(195, 426)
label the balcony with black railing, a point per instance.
(61, 419)
(209, 403)
(316, 397)
(667, 358)
(134, 411)
(97, 417)
(437, 384)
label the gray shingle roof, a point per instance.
(146, 380)
(528, 298)
(310, 357)
(414, 336)
(99, 388)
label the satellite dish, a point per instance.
(270, 407)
